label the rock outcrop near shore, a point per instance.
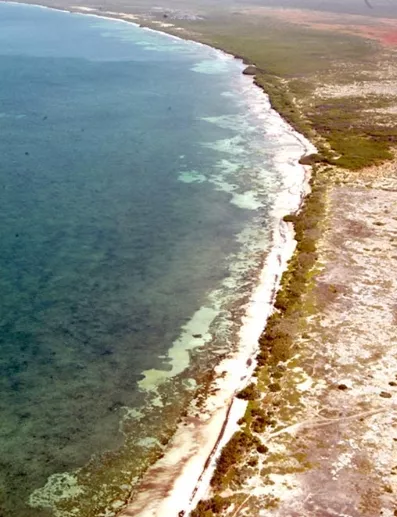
(250, 70)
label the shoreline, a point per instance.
(224, 409)
(147, 503)
(181, 491)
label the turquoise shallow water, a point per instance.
(135, 190)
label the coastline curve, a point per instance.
(178, 480)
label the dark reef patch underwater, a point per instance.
(137, 177)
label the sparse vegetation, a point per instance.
(278, 338)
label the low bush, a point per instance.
(210, 507)
(250, 392)
(230, 455)
(262, 449)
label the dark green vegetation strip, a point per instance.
(239, 457)
(277, 342)
(352, 133)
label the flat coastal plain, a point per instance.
(319, 436)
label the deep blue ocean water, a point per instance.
(135, 187)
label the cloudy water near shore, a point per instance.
(139, 175)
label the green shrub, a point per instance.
(356, 141)
(274, 387)
(289, 218)
(262, 449)
(250, 392)
(210, 507)
(230, 455)
(252, 462)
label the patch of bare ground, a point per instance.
(378, 29)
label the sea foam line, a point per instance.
(174, 485)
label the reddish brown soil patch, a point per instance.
(390, 38)
(383, 30)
